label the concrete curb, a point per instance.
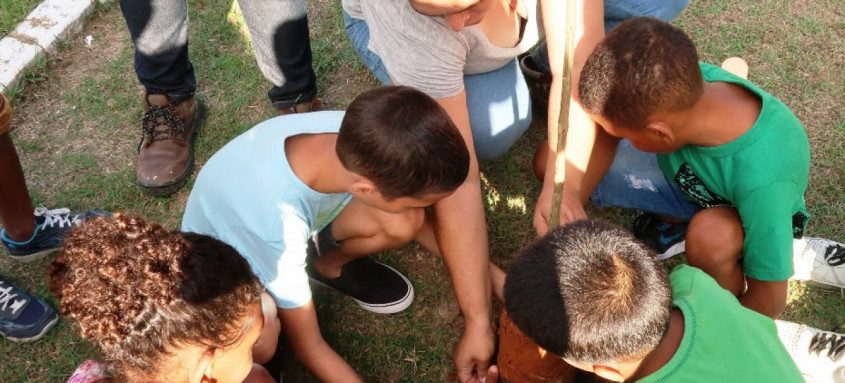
(38, 35)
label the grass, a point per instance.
(77, 131)
(13, 12)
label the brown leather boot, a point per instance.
(166, 151)
(5, 114)
(303, 107)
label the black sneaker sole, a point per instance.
(179, 182)
(384, 308)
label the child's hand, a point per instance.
(473, 353)
(493, 374)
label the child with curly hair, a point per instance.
(161, 305)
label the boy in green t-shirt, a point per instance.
(731, 160)
(592, 294)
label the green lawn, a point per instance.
(13, 12)
(77, 120)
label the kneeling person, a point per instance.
(592, 294)
(311, 195)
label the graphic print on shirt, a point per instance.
(692, 186)
(695, 189)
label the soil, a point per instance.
(523, 361)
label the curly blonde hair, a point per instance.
(138, 290)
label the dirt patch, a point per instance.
(523, 361)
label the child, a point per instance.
(28, 234)
(345, 184)
(592, 294)
(162, 306)
(732, 160)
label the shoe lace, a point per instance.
(60, 217)
(834, 343)
(835, 255)
(160, 124)
(6, 296)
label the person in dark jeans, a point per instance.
(172, 114)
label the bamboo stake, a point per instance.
(563, 120)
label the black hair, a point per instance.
(590, 292)
(404, 142)
(643, 66)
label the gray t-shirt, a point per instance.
(425, 53)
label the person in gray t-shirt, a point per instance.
(463, 54)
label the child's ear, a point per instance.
(661, 131)
(608, 372)
(363, 186)
(202, 369)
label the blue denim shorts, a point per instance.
(635, 181)
(617, 11)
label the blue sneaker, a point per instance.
(23, 317)
(51, 226)
(665, 238)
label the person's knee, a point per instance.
(496, 145)
(402, 228)
(714, 238)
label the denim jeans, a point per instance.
(635, 181)
(617, 11)
(279, 29)
(498, 103)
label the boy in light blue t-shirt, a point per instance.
(344, 184)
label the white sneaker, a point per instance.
(820, 355)
(820, 262)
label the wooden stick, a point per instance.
(563, 121)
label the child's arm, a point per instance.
(265, 348)
(497, 282)
(767, 216)
(259, 374)
(303, 334)
(461, 232)
(765, 297)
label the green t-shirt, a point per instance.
(723, 341)
(763, 173)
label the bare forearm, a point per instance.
(461, 232)
(327, 365)
(303, 333)
(581, 133)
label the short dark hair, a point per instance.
(643, 66)
(590, 292)
(138, 290)
(403, 141)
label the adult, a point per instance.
(172, 114)
(463, 54)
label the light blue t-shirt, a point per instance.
(247, 196)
